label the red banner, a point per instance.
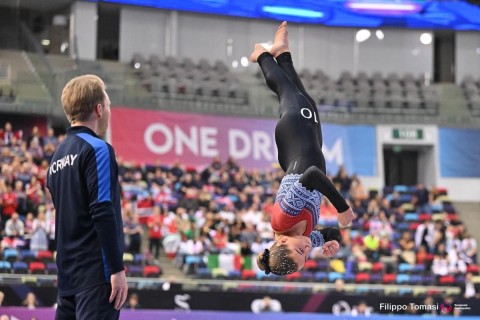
(148, 136)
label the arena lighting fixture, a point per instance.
(362, 35)
(293, 12)
(426, 38)
(384, 7)
(244, 62)
(379, 34)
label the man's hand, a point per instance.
(119, 289)
(330, 248)
(346, 217)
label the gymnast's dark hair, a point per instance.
(277, 261)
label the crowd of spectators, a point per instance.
(179, 210)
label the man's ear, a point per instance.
(99, 110)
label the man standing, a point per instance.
(83, 181)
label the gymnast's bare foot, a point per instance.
(280, 45)
(259, 49)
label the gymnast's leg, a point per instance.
(281, 52)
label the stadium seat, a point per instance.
(135, 271)
(321, 276)
(128, 258)
(419, 268)
(474, 268)
(403, 278)
(20, 267)
(219, 273)
(415, 279)
(151, 271)
(362, 277)
(375, 278)
(139, 258)
(413, 226)
(307, 276)
(332, 276)
(446, 280)
(323, 264)
(389, 278)
(27, 256)
(349, 277)
(5, 267)
(337, 265)
(411, 217)
(204, 273)
(36, 267)
(310, 265)
(235, 275)
(293, 276)
(424, 217)
(249, 274)
(405, 267)
(378, 267)
(52, 268)
(45, 256)
(10, 255)
(428, 279)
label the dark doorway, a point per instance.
(108, 31)
(444, 56)
(401, 166)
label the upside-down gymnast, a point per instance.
(299, 142)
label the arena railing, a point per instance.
(242, 285)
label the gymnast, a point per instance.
(299, 142)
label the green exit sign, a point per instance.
(408, 134)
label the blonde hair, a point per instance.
(80, 96)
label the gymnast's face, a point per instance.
(299, 246)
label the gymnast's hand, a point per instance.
(345, 217)
(330, 248)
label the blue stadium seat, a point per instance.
(10, 255)
(52, 268)
(419, 268)
(234, 274)
(20, 267)
(403, 278)
(404, 291)
(400, 188)
(376, 277)
(321, 276)
(349, 277)
(332, 276)
(405, 267)
(307, 276)
(135, 271)
(5, 267)
(402, 226)
(416, 279)
(27, 256)
(411, 217)
(204, 273)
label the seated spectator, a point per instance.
(406, 246)
(468, 248)
(371, 244)
(344, 181)
(440, 265)
(50, 138)
(357, 190)
(362, 309)
(30, 301)
(132, 302)
(425, 235)
(470, 289)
